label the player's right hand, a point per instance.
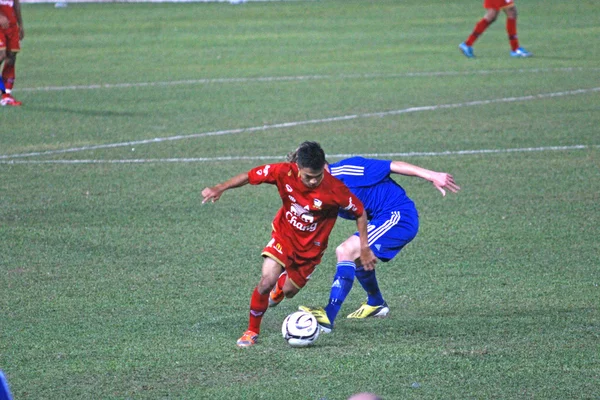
(443, 180)
(367, 258)
(210, 194)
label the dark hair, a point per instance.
(309, 155)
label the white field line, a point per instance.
(329, 156)
(206, 81)
(301, 123)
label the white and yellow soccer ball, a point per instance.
(300, 329)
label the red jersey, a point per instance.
(307, 215)
(7, 7)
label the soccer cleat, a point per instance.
(366, 311)
(248, 339)
(8, 100)
(466, 50)
(275, 296)
(321, 316)
(520, 52)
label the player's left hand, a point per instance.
(367, 258)
(442, 180)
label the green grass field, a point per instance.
(116, 283)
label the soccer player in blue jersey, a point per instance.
(393, 223)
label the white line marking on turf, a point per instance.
(329, 156)
(300, 123)
(205, 81)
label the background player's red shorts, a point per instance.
(9, 39)
(299, 266)
(497, 4)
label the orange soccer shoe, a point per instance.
(8, 100)
(248, 339)
(275, 296)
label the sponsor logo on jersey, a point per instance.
(9, 3)
(288, 188)
(292, 198)
(305, 218)
(278, 248)
(264, 171)
(350, 206)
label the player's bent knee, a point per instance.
(347, 251)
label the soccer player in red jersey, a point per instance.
(311, 199)
(11, 34)
(492, 9)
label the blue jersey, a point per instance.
(370, 181)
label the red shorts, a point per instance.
(9, 39)
(497, 4)
(299, 266)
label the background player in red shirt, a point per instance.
(311, 200)
(11, 34)
(492, 9)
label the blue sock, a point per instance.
(342, 283)
(368, 281)
(2, 88)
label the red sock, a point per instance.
(511, 29)
(258, 305)
(8, 75)
(480, 27)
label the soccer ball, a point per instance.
(300, 329)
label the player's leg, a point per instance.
(259, 302)
(277, 295)
(391, 233)
(11, 42)
(8, 72)
(511, 29)
(490, 16)
(2, 57)
(285, 287)
(281, 251)
(344, 276)
(8, 78)
(342, 283)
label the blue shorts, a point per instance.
(390, 232)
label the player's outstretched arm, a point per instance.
(441, 180)
(214, 193)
